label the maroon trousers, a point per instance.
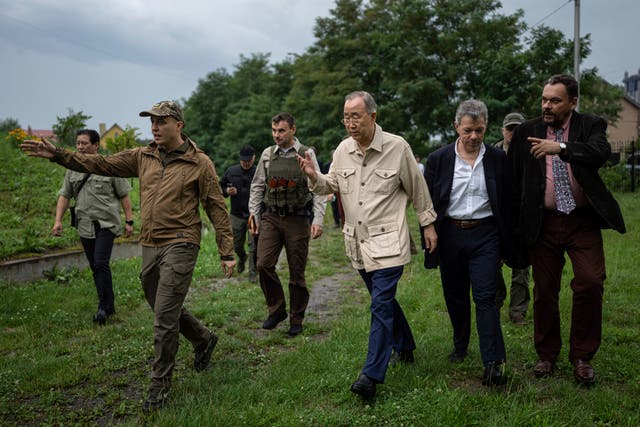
(578, 234)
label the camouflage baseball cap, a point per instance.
(164, 109)
(512, 119)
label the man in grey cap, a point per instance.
(236, 184)
(519, 277)
(175, 178)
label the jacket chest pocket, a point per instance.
(346, 180)
(384, 181)
(101, 184)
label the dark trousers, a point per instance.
(240, 235)
(469, 258)
(166, 275)
(389, 327)
(292, 232)
(579, 235)
(98, 252)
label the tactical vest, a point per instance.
(287, 191)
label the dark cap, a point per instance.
(246, 153)
(512, 119)
(164, 109)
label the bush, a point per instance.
(617, 178)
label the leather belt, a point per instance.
(468, 223)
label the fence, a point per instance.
(622, 171)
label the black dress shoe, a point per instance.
(100, 317)
(364, 386)
(405, 357)
(493, 374)
(457, 356)
(273, 320)
(294, 330)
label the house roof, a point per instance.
(112, 128)
(632, 101)
(46, 133)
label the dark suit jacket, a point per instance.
(587, 150)
(439, 175)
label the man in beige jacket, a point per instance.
(377, 175)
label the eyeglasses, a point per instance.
(347, 120)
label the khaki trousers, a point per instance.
(166, 275)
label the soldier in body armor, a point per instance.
(281, 205)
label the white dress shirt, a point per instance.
(469, 197)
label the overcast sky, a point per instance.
(111, 59)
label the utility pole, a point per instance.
(576, 46)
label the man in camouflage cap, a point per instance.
(519, 292)
(175, 178)
(164, 109)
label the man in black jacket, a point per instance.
(560, 204)
(469, 185)
(236, 183)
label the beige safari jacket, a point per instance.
(169, 196)
(375, 189)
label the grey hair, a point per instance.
(369, 102)
(472, 108)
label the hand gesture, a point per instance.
(307, 166)
(42, 148)
(543, 147)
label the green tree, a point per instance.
(9, 124)
(124, 141)
(418, 58)
(227, 111)
(66, 127)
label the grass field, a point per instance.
(57, 368)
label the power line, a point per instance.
(552, 13)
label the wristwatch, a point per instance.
(130, 222)
(563, 147)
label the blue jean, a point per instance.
(389, 327)
(98, 252)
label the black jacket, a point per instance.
(241, 179)
(587, 150)
(439, 175)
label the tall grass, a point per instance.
(57, 368)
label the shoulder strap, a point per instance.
(84, 180)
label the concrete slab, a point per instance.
(29, 269)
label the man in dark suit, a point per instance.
(560, 204)
(469, 187)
